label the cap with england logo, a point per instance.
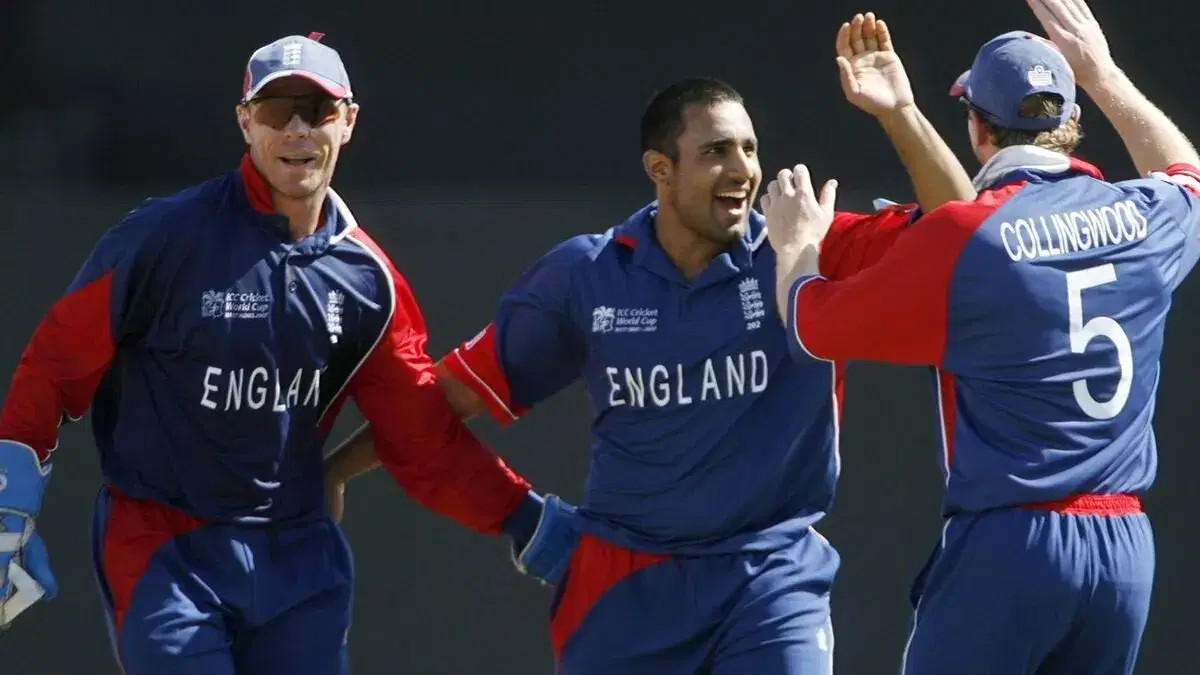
(297, 56)
(1007, 69)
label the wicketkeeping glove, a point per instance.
(25, 575)
(547, 554)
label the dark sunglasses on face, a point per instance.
(277, 111)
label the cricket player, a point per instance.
(215, 334)
(1040, 307)
(714, 454)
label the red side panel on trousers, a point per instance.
(135, 531)
(596, 567)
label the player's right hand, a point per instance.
(25, 575)
(547, 554)
(796, 216)
(1072, 28)
(873, 77)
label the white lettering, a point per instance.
(293, 392)
(681, 398)
(758, 371)
(1143, 225)
(257, 395)
(614, 389)
(735, 375)
(1096, 225)
(313, 397)
(277, 405)
(660, 387)
(1079, 223)
(1051, 249)
(233, 393)
(1007, 235)
(1068, 238)
(1057, 234)
(1112, 223)
(636, 387)
(710, 382)
(634, 320)
(717, 379)
(209, 387)
(252, 386)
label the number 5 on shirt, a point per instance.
(1081, 334)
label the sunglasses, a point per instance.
(277, 111)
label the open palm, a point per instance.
(1073, 28)
(873, 77)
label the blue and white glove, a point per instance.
(25, 575)
(546, 554)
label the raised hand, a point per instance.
(873, 77)
(1071, 26)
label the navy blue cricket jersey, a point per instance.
(216, 353)
(1041, 306)
(706, 436)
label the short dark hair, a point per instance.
(662, 122)
(1064, 139)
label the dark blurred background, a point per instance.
(489, 132)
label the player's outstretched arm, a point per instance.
(356, 455)
(530, 351)
(1153, 140)
(421, 440)
(418, 438)
(55, 379)
(874, 80)
(893, 311)
(543, 529)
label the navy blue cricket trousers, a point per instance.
(633, 613)
(188, 598)
(1060, 589)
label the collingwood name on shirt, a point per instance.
(1047, 236)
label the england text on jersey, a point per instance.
(234, 389)
(663, 385)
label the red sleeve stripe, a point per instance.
(496, 405)
(1183, 175)
(477, 366)
(794, 314)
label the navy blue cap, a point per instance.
(297, 56)
(1006, 70)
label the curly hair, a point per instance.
(1064, 139)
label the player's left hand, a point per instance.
(25, 575)
(873, 78)
(796, 215)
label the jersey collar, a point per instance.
(258, 195)
(637, 235)
(1027, 162)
